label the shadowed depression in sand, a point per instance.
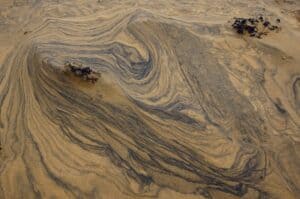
(140, 99)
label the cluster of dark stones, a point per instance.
(255, 27)
(86, 73)
(80, 71)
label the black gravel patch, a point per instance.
(254, 27)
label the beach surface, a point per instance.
(148, 99)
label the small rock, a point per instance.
(273, 27)
(266, 23)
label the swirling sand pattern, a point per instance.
(182, 109)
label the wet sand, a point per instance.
(184, 107)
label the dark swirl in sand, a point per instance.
(174, 111)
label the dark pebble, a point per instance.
(266, 23)
(240, 31)
(251, 29)
(273, 27)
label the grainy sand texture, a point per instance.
(148, 99)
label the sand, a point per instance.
(184, 107)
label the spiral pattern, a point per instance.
(178, 110)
